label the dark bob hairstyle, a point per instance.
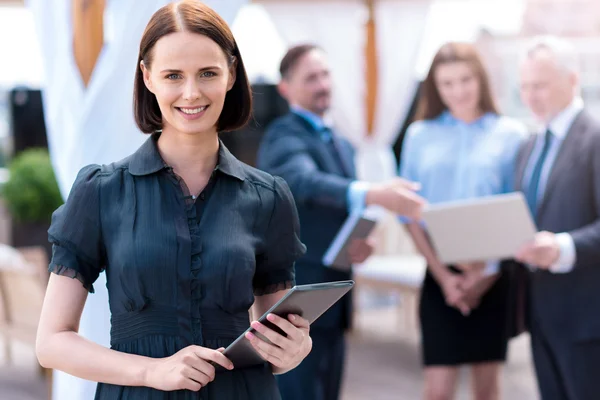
(191, 16)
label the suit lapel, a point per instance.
(567, 154)
(522, 162)
(329, 161)
(345, 156)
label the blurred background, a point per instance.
(379, 50)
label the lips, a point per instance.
(191, 113)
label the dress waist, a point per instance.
(215, 324)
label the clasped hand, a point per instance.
(283, 352)
(464, 291)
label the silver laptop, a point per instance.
(480, 229)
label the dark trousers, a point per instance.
(565, 369)
(319, 376)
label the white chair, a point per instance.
(400, 274)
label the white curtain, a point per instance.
(400, 25)
(338, 27)
(93, 124)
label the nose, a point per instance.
(191, 90)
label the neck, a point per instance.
(319, 114)
(467, 116)
(189, 153)
(566, 103)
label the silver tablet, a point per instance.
(308, 301)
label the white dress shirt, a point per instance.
(559, 126)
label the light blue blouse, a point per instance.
(454, 160)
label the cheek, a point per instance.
(166, 95)
(446, 93)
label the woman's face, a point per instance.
(190, 77)
(458, 86)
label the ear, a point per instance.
(146, 75)
(283, 88)
(232, 74)
(574, 79)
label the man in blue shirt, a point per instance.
(318, 165)
(558, 170)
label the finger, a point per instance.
(197, 363)
(214, 356)
(267, 357)
(268, 352)
(464, 308)
(288, 327)
(298, 321)
(196, 376)
(274, 337)
(190, 384)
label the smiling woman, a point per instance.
(189, 236)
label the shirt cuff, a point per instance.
(357, 194)
(567, 256)
(492, 267)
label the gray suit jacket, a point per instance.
(571, 203)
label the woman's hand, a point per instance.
(189, 368)
(284, 353)
(452, 287)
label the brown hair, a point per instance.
(292, 57)
(191, 16)
(430, 103)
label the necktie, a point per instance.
(329, 139)
(534, 182)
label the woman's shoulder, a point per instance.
(260, 179)
(510, 125)
(423, 128)
(95, 176)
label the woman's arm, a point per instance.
(59, 346)
(437, 269)
(450, 283)
(286, 353)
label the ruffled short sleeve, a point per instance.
(275, 266)
(76, 234)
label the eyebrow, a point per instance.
(173, 71)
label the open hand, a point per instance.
(543, 251)
(283, 352)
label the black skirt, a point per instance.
(451, 339)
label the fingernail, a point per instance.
(292, 317)
(271, 317)
(250, 335)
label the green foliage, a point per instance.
(31, 192)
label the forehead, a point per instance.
(449, 70)
(312, 62)
(540, 62)
(189, 49)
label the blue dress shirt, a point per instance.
(454, 160)
(357, 191)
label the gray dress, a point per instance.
(180, 270)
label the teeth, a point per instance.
(191, 111)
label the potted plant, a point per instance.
(31, 195)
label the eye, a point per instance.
(207, 74)
(173, 76)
